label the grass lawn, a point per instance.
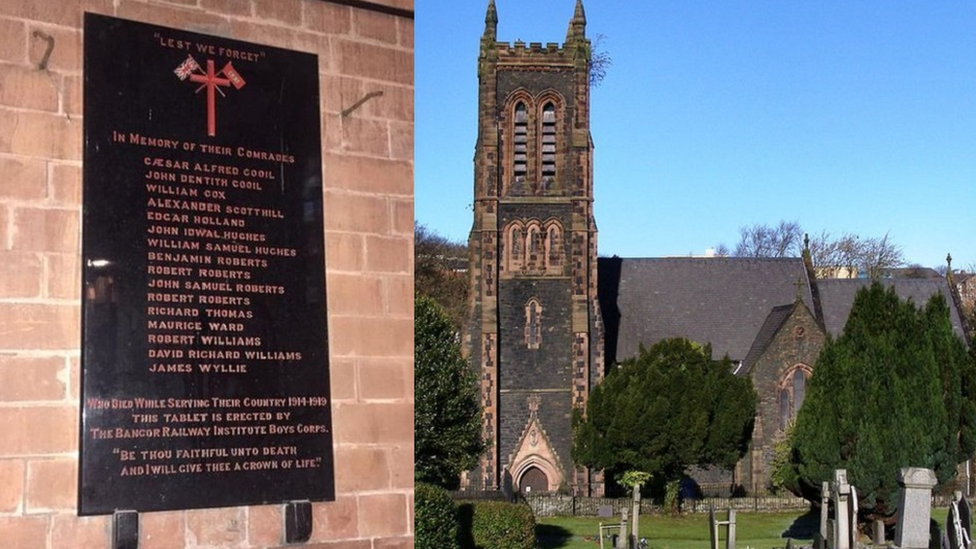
(689, 531)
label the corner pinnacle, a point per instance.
(491, 21)
(577, 25)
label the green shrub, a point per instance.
(435, 518)
(447, 412)
(497, 525)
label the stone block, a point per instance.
(383, 515)
(40, 135)
(373, 423)
(31, 378)
(24, 531)
(162, 530)
(20, 276)
(384, 379)
(13, 41)
(328, 18)
(356, 213)
(337, 520)
(287, 13)
(52, 485)
(368, 137)
(380, 27)
(218, 527)
(71, 532)
(46, 230)
(12, 473)
(39, 326)
(38, 430)
(28, 88)
(361, 469)
(388, 254)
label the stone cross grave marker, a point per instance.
(845, 512)
(820, 540)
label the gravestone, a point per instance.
(957, 530)
(621, 541)
(845, 504)
(965, 514)
(914, 507)
(820, 540)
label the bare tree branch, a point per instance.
(844, 255)
(440, 271)
(783, 240)
(600, 61)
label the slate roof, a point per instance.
(765, 336)
(722, 301)
(837, 298)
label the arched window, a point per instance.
(548, 149)
(785, 413)
(799, 389)
(792, 392)
(520, 142)
(533, 324)
(514, 247)
(554, 250)
(534, 247)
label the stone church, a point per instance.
(547, 317)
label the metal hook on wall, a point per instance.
(50, 48)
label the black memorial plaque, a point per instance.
(205, 379)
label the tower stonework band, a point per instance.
(534, 333)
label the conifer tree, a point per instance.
(670, 407)
(890, 392)
(447, 415)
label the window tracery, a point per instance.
(515, 245)
(791, 393)
(554, 247)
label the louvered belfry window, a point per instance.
(519, 162)
(548, 145)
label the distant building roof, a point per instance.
(912, 272)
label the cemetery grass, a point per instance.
(688, 531)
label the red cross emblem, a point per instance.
(212, 81)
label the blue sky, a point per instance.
(843, 116)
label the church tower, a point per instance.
(534, 334)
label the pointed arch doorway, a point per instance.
(533, 480)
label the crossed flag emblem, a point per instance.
(212, 81)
